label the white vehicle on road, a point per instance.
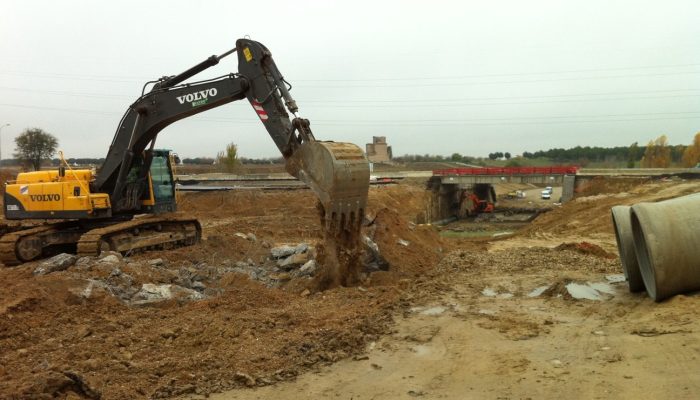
(546, 195)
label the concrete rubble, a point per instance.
(59, 262)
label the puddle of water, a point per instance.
(579, 291)
(497, 234)
(616, 278)
(602, 287)
(537, 291)
(488, 292)
(421, 350)
(433, 311)
(590, 291)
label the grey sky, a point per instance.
(434, 77)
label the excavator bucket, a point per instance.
(339, 175)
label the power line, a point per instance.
(458, 102)
(133, 78)
(435, 122)
(66, 93)
(95, 78)
(403, 100)
(501, 74)
(493, 121)
(85, 111)
(501, 123)
(141, 79)
(498, 82)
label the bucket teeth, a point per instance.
(343, 217)
(338, 173)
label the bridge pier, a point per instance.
(448, 187)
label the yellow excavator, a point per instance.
(130, 203)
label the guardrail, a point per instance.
(507, 171)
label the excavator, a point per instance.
(129, 204)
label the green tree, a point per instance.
(228, 160)
(632, 154)
(33, 146)
(507, 155)
(513, 163)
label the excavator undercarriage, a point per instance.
(90, 239)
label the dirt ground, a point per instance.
(440, 318)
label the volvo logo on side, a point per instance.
(197, 98)
(45, 197)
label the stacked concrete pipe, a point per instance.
(625, 245)
(667, 244)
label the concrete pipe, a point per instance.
(625, 245)
(667, 244)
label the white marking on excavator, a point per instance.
(260, 110)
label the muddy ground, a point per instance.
(436, 317)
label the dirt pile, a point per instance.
(589, 214)
(542, 260)
(586, 248)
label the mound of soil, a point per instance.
(586, 248)
(65, 335)
(589, 213)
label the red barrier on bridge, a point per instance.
(559, 170)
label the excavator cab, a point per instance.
(160, 194)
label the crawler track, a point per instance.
(154, 232)
(141, 234)
(16, 246)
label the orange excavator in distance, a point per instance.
(480, 198)
(130, 203)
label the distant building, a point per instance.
(378, 151)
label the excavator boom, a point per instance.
(338, 173)
(135, 178)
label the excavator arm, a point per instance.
(338, 173)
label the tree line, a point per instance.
(35, 146)
(657, 153)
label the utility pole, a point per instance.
(1, 142)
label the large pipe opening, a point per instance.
(625, 246)
(644, 257)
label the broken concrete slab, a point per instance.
(308, 269)
(282, 251)
(293, 261)
(110, 259)
(60, 262)
(156, 262)
(152, 293)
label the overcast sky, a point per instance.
(434, 77)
